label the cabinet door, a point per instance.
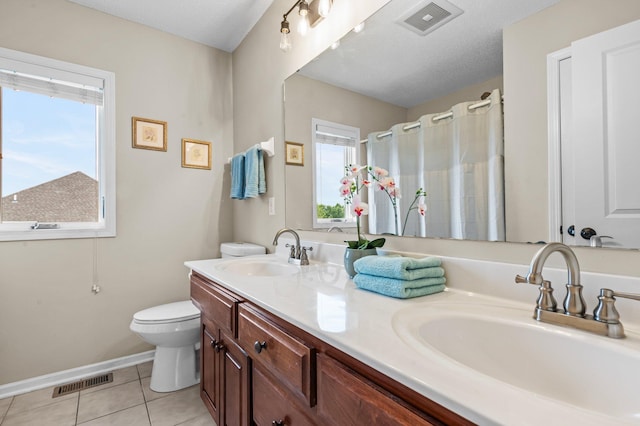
(209, 371)
(290, 359)
(346, 398)
(235, 383)
(274, 404)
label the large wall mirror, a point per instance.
(413, 63)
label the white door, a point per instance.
(606, 135)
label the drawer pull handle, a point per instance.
(219, 347)
(259, 346)
(277, 423)
(213, 343)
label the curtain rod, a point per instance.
(435, 118)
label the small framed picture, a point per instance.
(149, 134)
(294, 153)
(196, 154)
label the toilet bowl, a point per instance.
(174, 329)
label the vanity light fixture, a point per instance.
(358, 28)
(311, 13)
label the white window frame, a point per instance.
(106, 167)
(336, 130)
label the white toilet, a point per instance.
(230, 250)
(174, 329)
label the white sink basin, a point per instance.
(259, 267)
(592, 372)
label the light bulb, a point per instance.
(303, 25)
(303, 8)
(285, 41)
(358, 27)
(324, 7)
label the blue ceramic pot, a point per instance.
(351, 255)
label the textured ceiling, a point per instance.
(386, 61)
(218, 23)
(389, 62)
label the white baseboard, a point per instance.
(61, 377)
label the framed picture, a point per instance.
(196, 154)
(149, 134)
(294, 153)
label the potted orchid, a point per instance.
(351, 184)
(388, 185)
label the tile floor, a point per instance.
(128, 400)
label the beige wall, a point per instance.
(306, 99)
(257, 84)
(49, 319)
(259, 70)
(444, 103)
(526, 46)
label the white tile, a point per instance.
(4, 406)
(202, 420)
(134, 416)
(150, 395)
(35, 399)
(177, 407)
(106, 401)
(60, 413)
(144, 369)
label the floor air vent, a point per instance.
(429, 15)
(82, 384)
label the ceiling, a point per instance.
(218, 23)
(380, 62)
(389, 62)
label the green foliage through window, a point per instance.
(330, 212)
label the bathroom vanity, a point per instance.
(257, 368)
(285, 344)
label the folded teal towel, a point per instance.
(237, 177)
(399, 267)
(252, 160)
(400, 289)
(262, 182)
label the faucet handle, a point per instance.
(292, 253)
(545, 300)
(304, 259)
(606, 310)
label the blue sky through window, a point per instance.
(45, 138)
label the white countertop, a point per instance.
(324, 302)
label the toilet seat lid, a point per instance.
(171, 312)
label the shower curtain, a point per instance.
(458, 161)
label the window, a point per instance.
(335, 146)
(57, 149)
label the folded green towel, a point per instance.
(400, 289)
(399, 267)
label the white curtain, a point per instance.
(401, 153)
(458, 161)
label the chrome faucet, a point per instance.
(605, 318)
(573, 303)
(298, 254)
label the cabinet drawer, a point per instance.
(215, 303)
(289, 359)
(347, 398)
(273, 405)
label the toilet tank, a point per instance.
(241, 249)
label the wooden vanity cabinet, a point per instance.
(343, 394)
(258, 369)
(224, 365)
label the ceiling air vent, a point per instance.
(428, 16)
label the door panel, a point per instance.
(606, 129)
